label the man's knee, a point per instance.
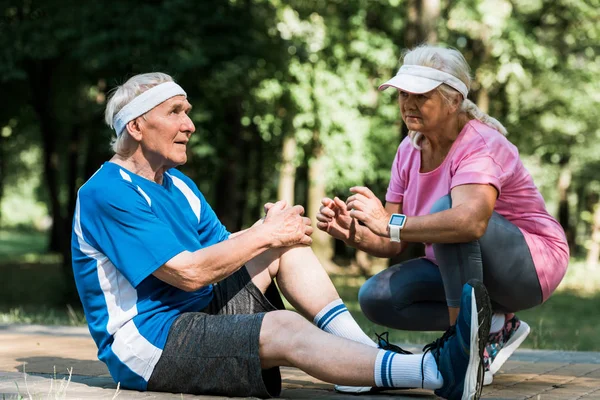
(279, 336)
(281, 325)
(442, 204)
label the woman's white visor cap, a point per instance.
(419, 79)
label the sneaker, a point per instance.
(502, 344)
(459, 352)
(488, 377)
(384, 344)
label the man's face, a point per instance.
(166, 130)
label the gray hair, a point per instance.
(452, 62)
(122, 95)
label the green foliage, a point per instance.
(258, 71)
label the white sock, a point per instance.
(335, 318)
(404, 370)
(498, 321)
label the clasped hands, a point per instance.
(340, 219)
(285, 225)
(288, 227)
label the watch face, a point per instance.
(397, 220)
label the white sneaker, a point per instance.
(488, 378)
(502, 345)
(353, 389)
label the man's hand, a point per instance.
(286, 226)
(333, 218)
(367, 208)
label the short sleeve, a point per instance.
(479, 167)
(397, 185)
(121, 225)
(210, 229)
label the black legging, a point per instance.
(415, 295)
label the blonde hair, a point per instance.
(121, 95)
(450, 61)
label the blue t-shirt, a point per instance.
(125, 227)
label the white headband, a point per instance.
(420, 79)
(146, 102)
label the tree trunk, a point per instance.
(483, 100)
(287, 173)
(3, 141)
(322, 242)
(227, 184)
(564, 184)
(259, 175)
(594, 249)
(422, 19)
(244, 174)
(429, 16)
(412, 35)
(40, 78)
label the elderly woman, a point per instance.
(176, 303)
(458, 186)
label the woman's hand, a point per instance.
(333, 218)
(367, 208)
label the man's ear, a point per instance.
(134, 129)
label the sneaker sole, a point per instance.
(488, 378)
(481, 312)
(354, 389)
(509, 348)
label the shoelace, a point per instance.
(435, 347)
(384, 344)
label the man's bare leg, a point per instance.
(300, 277)
(287, 339)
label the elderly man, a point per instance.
(176, 303)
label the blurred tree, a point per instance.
(284, 93)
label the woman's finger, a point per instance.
(327, 202)
(359, 215)
(323, 218)
(322, 226)
(365, 191)
(339, 203)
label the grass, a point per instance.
(33, 286)
(24, 246)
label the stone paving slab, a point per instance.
(34, 363)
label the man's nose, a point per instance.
(188, 125)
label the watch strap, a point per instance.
(394, 233)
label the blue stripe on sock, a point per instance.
(333, 317)
(322, 320)
(384, 369)
(389, 369)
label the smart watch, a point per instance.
(395, 225)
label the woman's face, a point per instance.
(426, 112)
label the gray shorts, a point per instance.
(215, 351)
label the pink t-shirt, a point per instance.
(482, 155)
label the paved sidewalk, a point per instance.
(34, 361)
